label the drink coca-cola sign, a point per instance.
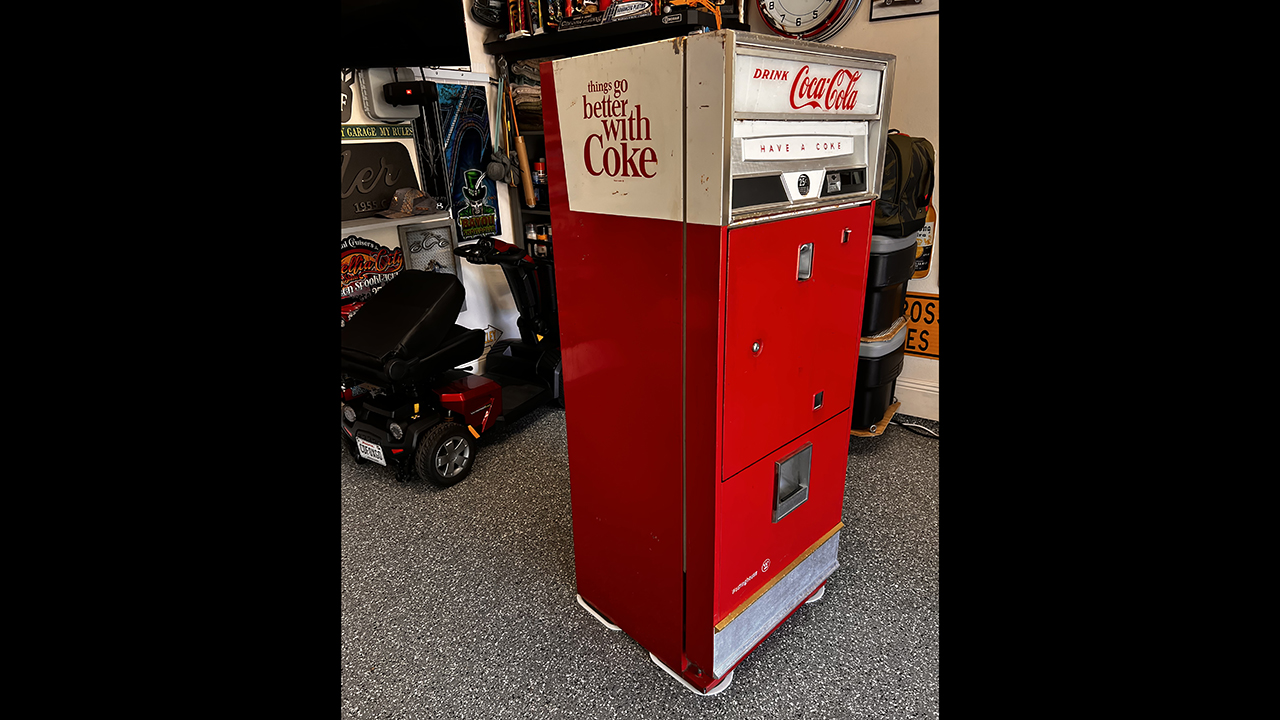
(772, 85)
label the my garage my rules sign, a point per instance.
(376, 161)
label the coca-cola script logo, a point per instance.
(829, 93)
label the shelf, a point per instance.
(609, 36)
(372, 223)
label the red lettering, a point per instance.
(618, 158)
(834, 92)
(630, 169)
(621, 160)
(801, 83)
(586, 153)
(617, 161)
(761, 73)
(648, 155)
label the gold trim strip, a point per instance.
(756, 595)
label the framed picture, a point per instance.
(888, 9)
(429, 246)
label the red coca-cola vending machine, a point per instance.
(711, 203)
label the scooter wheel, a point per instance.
(445, 454)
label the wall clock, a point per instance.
(815, 20)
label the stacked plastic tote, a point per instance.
(906, 190)
(884, 328)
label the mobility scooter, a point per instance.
(406, 406)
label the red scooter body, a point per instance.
(474, 398)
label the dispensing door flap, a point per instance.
(791, 481)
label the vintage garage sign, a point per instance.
(371, 174)
(366, 267)
(921, 312)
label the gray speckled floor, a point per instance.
(459, 602)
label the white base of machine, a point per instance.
(724, 684)
(597, 615)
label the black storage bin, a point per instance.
(892, 263)
(879, 363)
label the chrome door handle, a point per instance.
(804, 267)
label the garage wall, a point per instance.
(915, 111)
(489, 303)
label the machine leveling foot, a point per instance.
(597, 615)
(724, 684)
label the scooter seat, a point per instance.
(462, 344)
(407, 328)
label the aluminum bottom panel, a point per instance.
(738, 637)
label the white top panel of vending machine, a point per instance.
(801, 124)
(722, 127)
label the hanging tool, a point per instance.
(499, 167)
(526, 179)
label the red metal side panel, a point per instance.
(619, 292)
(705, 255)
(808, 331)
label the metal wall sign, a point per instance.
(377, 132)
(348, 78)
(429, 247)
(921, 312)
(464, 125)
(371, 174)
(366, 267)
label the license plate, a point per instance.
(369, 451)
